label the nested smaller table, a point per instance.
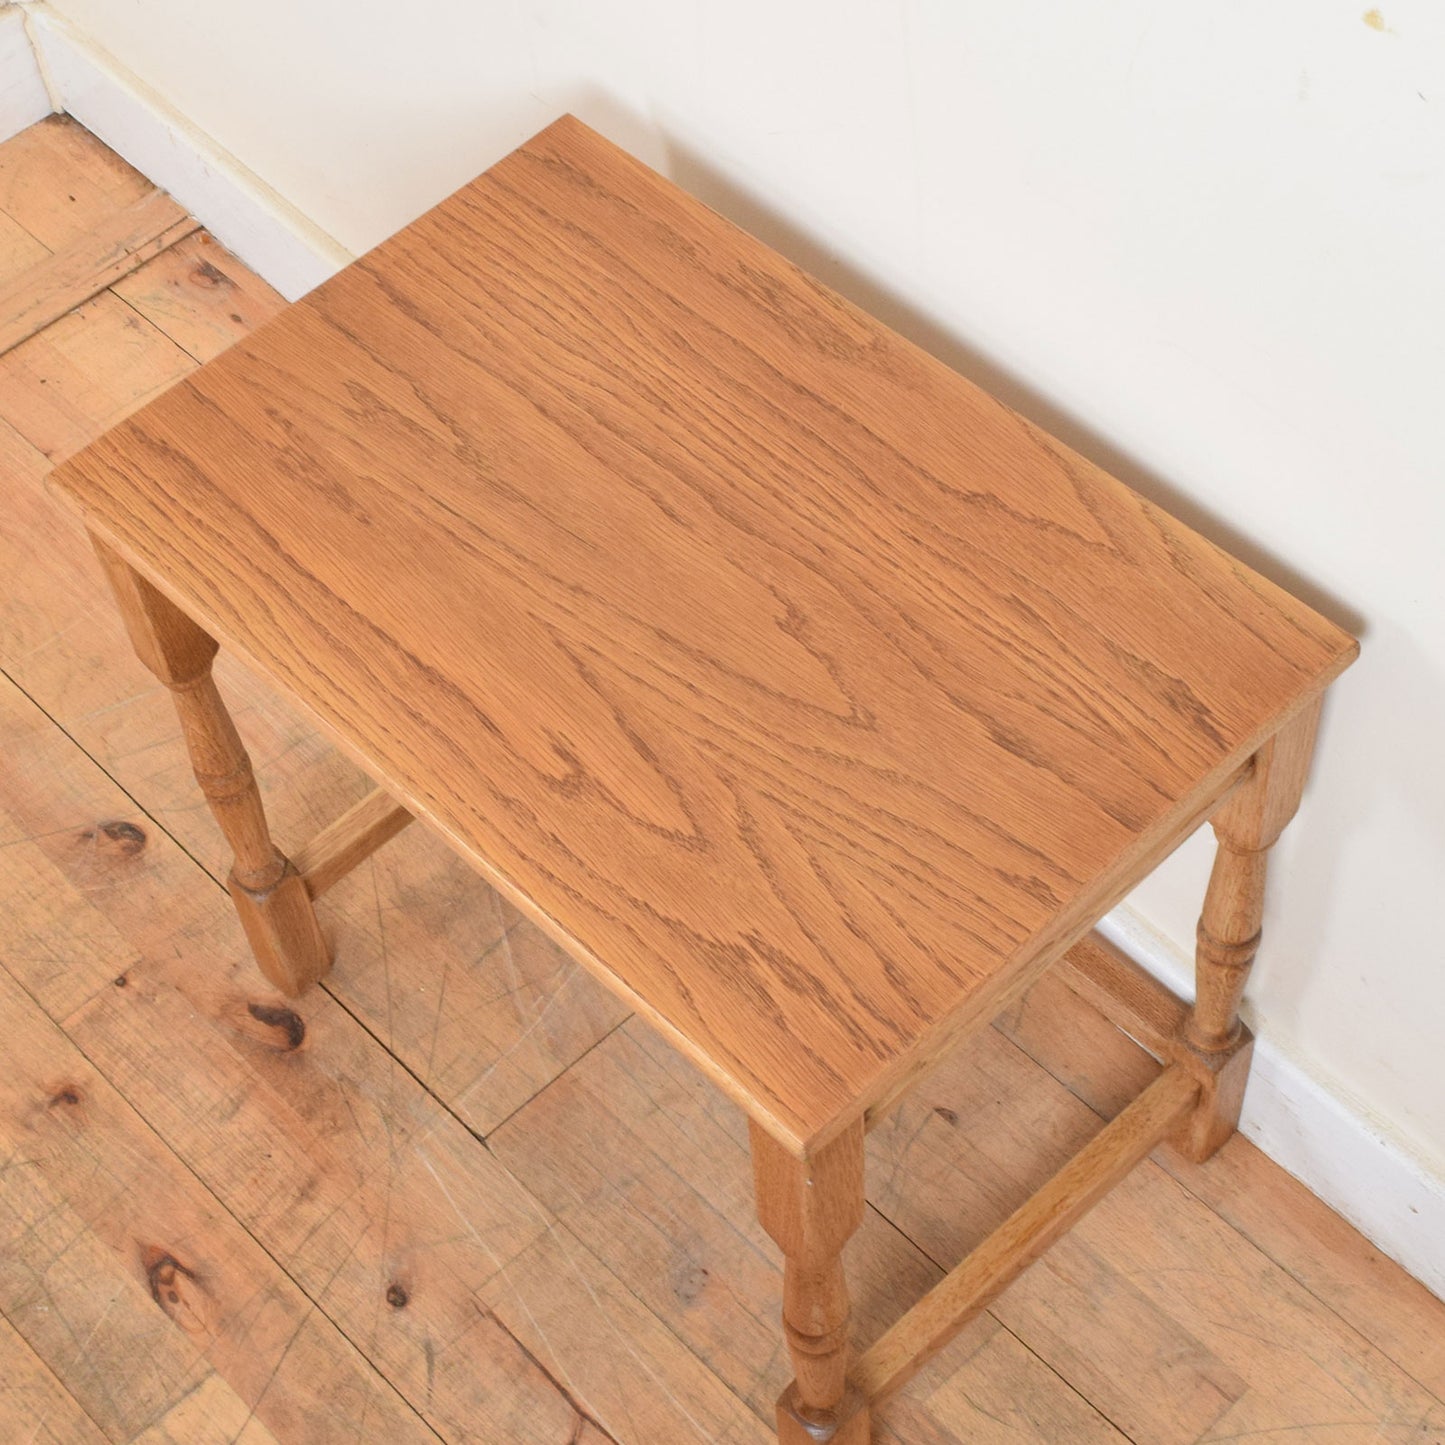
(811, 698)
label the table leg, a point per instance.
(811, 1208)
(270, 895)
(1246, 827)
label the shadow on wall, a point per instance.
(695, 174)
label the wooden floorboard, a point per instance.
(34, 1405)
(458, 1192)
(57, 182)
(200, 296)
(44, 292)
(132, 1283)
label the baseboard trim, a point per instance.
(1311, 1129)
(268, 233)
(24, 98)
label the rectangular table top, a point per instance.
(807, 694)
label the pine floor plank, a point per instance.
(477, 1001)
(19, 250)
(200, 296)
(636, 1378)
(58, 182)
(1327, 1257)
(302, 1126)
(34, 1405)
(209, 1415)
(1003, 1394)
(1260, 1422)
(646, 1163)
(49, 584)
(129, 1279)
(84, 373)
(1305, 1366)
(1143, 1368)
(1078, 1046)
(1138, 1359)
(107, 253)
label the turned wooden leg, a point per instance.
(811, 1208)
(269, 894)
(1246, 827)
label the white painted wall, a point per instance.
(1204, 243)
(23, 97)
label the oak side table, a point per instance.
(811, 698)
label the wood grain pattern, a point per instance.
(481, 1006)
(34, 298)
(200, 296)
(934, 687)
(130, 1279)
(34, 1405)
(1005, 1395)
(312, 1139)
(58, 183)
(88, 370)
(209, 1415)
(643, 1160)
(19, 250)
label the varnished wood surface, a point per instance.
(355, 835)
(810, 1209)
(807, 694)
(1198, 1304)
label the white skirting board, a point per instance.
(269, 234)
(23, 97)
(1329, 1143)
(1295, 1117)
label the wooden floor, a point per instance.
(458, 1192)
